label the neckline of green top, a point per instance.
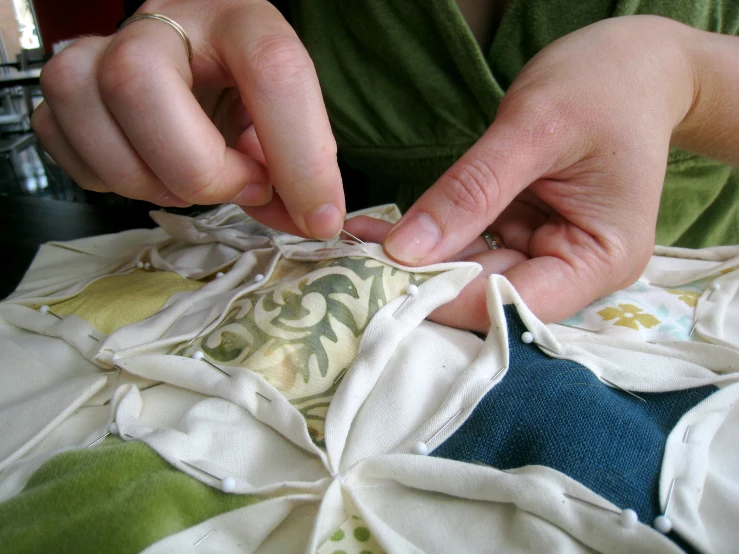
(467, 53)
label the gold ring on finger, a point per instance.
(171, 22)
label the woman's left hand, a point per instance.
(569, 175)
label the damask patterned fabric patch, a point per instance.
(557, 413)
(303, 328)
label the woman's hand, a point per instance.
(128, 114)
(464, 311)
(569, 174)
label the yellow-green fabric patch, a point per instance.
(119, 300)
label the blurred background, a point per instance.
(38, 202)
(30, 32)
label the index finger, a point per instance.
(280, 89)
(145, 82)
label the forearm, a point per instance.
(711, 126)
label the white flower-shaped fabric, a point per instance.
(414, 383)
(335, 444)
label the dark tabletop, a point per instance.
(26, 223)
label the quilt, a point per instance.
(216, 386)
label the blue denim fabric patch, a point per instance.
(556, 413)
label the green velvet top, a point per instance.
(409, 90)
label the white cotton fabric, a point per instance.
(414, 381)
(36, 397)
(702, 454)
(717, 313)
(272, 526)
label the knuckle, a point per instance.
(314, 169)
(553, 122)
(472, 187)
(67, 73)
(92, 185)
(126, 184)
(636, 261)
(538, 95)
(204, 186)
(126, 62)
(42, 125)
(279, 60)
(543, 118)
(617, 261)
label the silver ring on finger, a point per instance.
(493, 240)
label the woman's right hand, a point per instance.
(128, 114)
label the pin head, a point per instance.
(228, 484)
(421, 448)
(527, 338)
(629, 518)
(663, 524)
(140, 264)
(259, 277)
(147, 266)
(412, 290)
(113, 428)
(44, 309)
(198, 355)
(219, 274)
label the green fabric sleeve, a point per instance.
(118, 497)
(700, 202)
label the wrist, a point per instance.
(710, 126)
(682, 86)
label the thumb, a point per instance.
(516, 150)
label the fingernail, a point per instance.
(324, 222)
(254, 194)
(414, 239)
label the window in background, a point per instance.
(26, 18)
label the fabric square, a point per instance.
(557, 413)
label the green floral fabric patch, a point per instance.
(654, 313)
